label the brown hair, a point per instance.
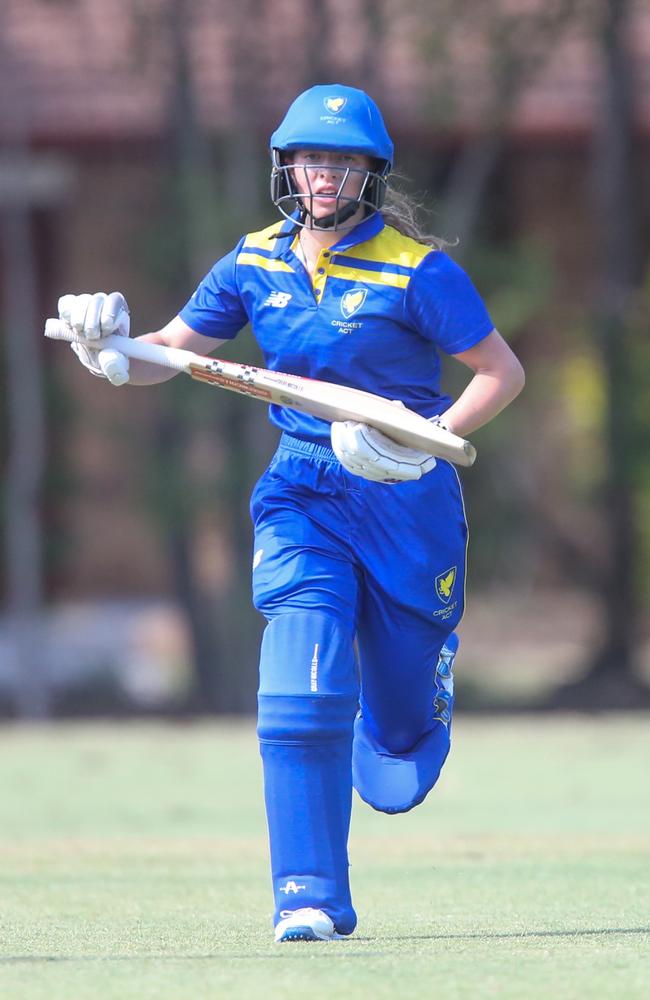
(402, 212)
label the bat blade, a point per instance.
(337, 402)
(326, 400)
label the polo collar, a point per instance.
(365, 230)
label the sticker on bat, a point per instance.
(214, 378)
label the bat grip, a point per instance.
(155, 354)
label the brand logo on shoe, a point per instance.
(291, 886)
(445, 584)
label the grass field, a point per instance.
(133, 865)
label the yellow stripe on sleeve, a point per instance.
(266, 263)
(369, 277)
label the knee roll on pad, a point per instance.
(308, 679)
(303, 720)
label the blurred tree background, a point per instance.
(134, 141)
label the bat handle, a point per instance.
(155, 354)
(57, 329)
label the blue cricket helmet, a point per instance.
(332, 117)
(335, 117)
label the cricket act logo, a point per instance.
(352, 301)
(335, 104)
(445, 584)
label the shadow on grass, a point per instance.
(491, 936)
(510, 935)
(220, 956)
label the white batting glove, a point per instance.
(365, 451)
(93, 317)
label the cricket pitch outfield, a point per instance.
(133, 865)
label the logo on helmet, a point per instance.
(352, 301)
(335, 104)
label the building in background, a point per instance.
(160, 113)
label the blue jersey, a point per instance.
(375, 316)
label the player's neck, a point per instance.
(311, 244)
(315, 240)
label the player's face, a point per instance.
(324, 175)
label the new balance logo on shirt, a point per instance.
(277, 299)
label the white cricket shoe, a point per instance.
(306, 925)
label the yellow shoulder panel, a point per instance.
(391, 247)
(263, 240)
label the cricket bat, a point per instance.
(320, 399)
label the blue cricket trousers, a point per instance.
(360, 583)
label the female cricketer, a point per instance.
(360, 544)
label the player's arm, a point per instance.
(498, 379)
(94, 317)
(215, 309)
(443, 306)
(175, 334)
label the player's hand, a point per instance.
(365, 451)
(93, 317)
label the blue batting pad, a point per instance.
(396, 782)
(307, 703)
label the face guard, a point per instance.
(287, 198)
(343, 120)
